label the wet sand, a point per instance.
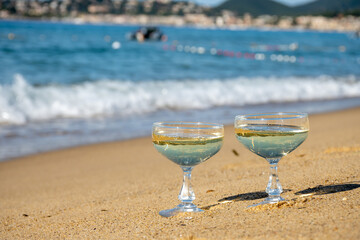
(115, 190)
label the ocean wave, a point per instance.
(22, 102)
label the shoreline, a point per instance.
(80, 21)
(115, 190)
(245, 109)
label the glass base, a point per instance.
(189, 207)
(268, 200)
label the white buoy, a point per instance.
(116, 45)
(213, 51)
(201, 50)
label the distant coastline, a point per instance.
(317, 23)
(336, 15)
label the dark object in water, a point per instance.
(147, 34)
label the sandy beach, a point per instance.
(115, 190)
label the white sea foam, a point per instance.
(22, 102)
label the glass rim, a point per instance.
(272, 116)
(188, 125)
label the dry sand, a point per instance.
(115, 190)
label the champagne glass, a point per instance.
(272, 136)
(187, 144)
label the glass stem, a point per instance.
(186, 195)
(274, 188)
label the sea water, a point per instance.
(65, 84)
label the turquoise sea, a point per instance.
(65, 84)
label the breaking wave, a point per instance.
(21, 102)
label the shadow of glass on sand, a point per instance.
(244, 197)
(334, 188)
(247, 196)
(240, 197)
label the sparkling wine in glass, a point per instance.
(187, 144)
(272, 136)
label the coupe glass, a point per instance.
(187, 144)
(272, 136)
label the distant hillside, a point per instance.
(254, 7)
(328, 6)
(261, 7)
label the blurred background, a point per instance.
(88, 71)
